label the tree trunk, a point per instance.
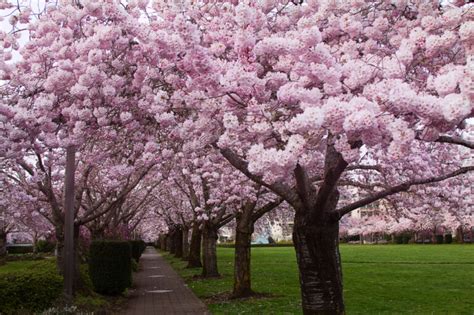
(163, 242)
(78, 281)
(319, 263)
(209, 258)
(3, 246)
(178, 240)
(194, 257)
(59, 249)
(168, 242)
(243, 238)
(172, 242)
(185, 243)
(460, 235)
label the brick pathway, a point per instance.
(159, 290)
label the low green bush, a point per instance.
(28, 256)
(19, 249)
(143, 246)
(30, 290)
(44, 246)
(439, 239)
(134, 265)
(259, 245)
(406, 239)
(448, 238)
(110, 266)
(138, 247)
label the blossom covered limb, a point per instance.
(399, 188)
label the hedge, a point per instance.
(439, 239)
(44, 246)
(30, 290)
(110, 266)
(257, 245)
(19, 249)
(138, 247)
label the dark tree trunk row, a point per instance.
(3, 246)
(185, 243)
(194, 257)
(209, 247)
(178, 241)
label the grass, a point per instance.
(19, 265)
(378, 279)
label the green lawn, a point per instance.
(378, 279)
(21, 265)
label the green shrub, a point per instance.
(110, 266)
(406, 238)
(258, 245)
(138, 247)
(29, 256)
(448, 238)
(142, 246)
(134, 265)
(439, 239)
(19, 249)
(44, 246)
(30, 290)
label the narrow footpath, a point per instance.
(160, 290)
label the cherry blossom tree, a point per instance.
(329, 106)
(297, 97)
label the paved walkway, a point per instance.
(159, 290)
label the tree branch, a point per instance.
(280, 189)
(266, 208)
(399, 188)
(456, 140)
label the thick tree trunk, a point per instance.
(194, 257)
(185, 243)
(209, 258)
(243, 238)
(319, 263)
(178, 240)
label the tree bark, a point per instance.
(3, 246)
(59, 249)
(178, 241)
(319, 263)
(209, 258)
(172, 242)
(163, 242)
(460, 235)
(243, 238)
(60, 262)
(194, 257)
(185, 243)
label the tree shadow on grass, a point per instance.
(227, 297)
